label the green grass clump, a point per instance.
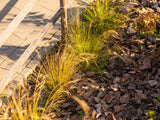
(90, 30)
(83, 42)
(101, 16)
(59, 67)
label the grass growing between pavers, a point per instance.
(87, 37)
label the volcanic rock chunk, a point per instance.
(105, 107)
(107, 113)
(152, 38)
(108, 98)
(116, 80)
(134, 4)
(126, 77)
(124, 10)
(115, 87)
(131, 86)
(131, 31)
(118, 108)
(155, 5)
(158, 72)
(101, 94)
(90, 73)
(155, 95)
(107, 74)
(140, 96)
(99, 110)
(145, 63)
(117, 95)
(152, 83)
(124, 98)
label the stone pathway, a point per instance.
(21, 38)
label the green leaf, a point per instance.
(158, 100)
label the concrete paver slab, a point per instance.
(3, 72)
(14, 40)
(24, 30)
(50, 4)
(7, 64)
(20, 3)
(10, 15)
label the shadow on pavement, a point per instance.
(7, 8)
(14, 52)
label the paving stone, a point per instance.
(9, 15)
(3, 3)
(3, 72)
(7, 64)
(1, 60)
(20, 3)
(23, 30)
(48, 4)
(3, 25)
(14, 40)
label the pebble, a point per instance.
(132, 72)
(131, 86)
(107, 113)
(101, 94)
(124, 98)
(131, 31)
(118, 108)
(126, 77)
(108, 98)
(107, 74)
(114, 87)
(90, 73)
(116, 80)
(152, 83)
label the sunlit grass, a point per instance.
(101, 16)
(23, 105)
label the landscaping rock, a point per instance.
(108, 98)
(118, 108)
(152, 83)
(124, 98)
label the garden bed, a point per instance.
(108, 69)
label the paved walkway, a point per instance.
(29, 28)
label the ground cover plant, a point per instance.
(84, 49)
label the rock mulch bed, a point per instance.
(130, 83)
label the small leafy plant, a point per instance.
(151, 114)
(80, 114)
